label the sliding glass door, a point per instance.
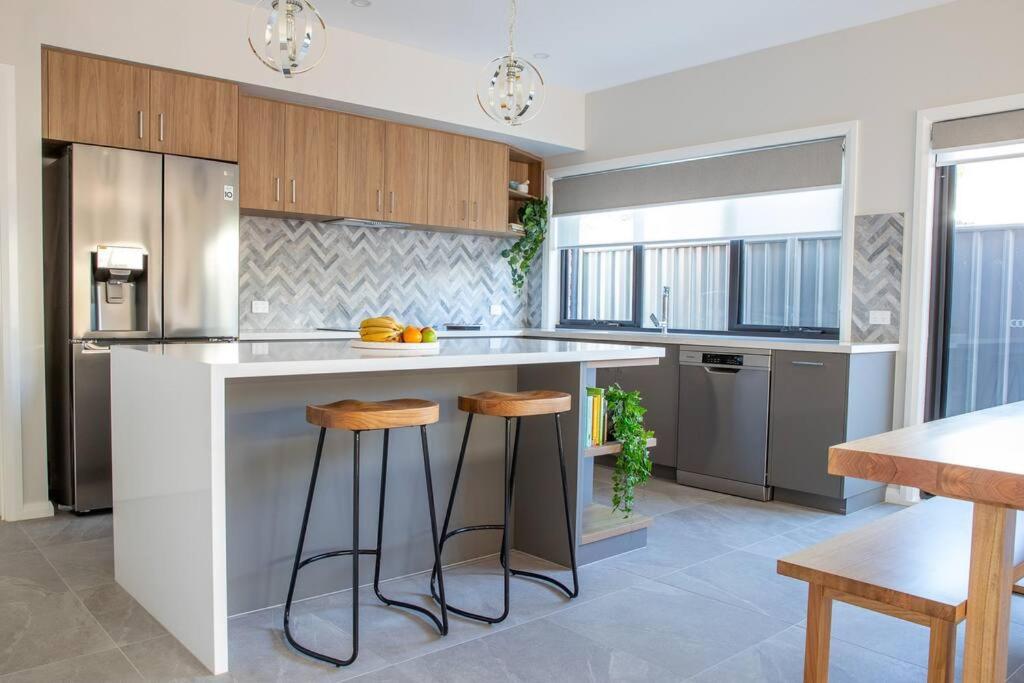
(978, 358)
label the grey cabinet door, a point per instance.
(807, 415)
(659, 388)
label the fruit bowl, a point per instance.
(391, 348)
(387, 335)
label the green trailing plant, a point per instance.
(633, 464)
(534, 218)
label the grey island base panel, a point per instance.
(270, 451)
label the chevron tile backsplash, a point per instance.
(320, 275)
(877, 272)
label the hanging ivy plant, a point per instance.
(633, 464)
(534, 218)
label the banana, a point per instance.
(376, 330)
(383, 321)
(379, 337)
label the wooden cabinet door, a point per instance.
(261, 125)
(360, 167)
(193, 116)
(488, 178)
(311, 161)
(96, 101)
(406, 169)
(448, 180)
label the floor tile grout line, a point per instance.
(743, 651)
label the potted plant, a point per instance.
(633, 463)
(533, 215)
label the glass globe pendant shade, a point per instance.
(293, 37)
(511, 90)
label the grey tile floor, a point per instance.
(702, 602)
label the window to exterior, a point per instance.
(766, 263)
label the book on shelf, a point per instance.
(596, 416)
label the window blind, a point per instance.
(987, 129)
(771, 169)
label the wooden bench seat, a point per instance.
(912, 565)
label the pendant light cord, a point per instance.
(511, 28)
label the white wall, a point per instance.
(208, 37)
(879, 74)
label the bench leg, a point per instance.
(819, 631)
(941, 651)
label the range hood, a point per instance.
(363, 223)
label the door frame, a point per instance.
(11, 501)
(915, 337)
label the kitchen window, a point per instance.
(762, 264)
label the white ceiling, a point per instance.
(596, 44)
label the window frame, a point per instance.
(636, 323)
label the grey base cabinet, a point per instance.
(819, 400)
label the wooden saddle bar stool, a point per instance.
(509, 405)
(357, 417)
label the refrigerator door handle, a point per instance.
(94, 347)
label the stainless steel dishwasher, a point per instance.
(723, 420)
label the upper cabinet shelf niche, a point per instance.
(106, 102)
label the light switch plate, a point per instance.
(260, 306)
(880, 317)
(495, 309)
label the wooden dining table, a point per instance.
(977, 457)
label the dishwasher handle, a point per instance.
(711, 370)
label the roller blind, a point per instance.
(771, 169)
(988, 129)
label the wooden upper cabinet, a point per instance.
(406, 170)
(96, 101)
(261, 128)
(488, 185)
(360, 167)
(311, 160)
(448, 180)
(193, 116)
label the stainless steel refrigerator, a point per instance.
(138, 248)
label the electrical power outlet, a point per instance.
(880, 317)
(495, 309)
(260, 306)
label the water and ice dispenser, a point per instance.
(119, 275)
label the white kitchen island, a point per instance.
(211, 457)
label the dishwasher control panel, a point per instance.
(725, 358)
(735, 359)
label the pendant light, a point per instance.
(292, 40)
(512, 89)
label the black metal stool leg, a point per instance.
(451, 503)
(442, 623)
(355, 551)
(568, 520)
(299, 562)
(512, 480)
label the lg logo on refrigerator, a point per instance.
(1017, 322)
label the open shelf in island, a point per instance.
(601, 522)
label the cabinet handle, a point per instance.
(391, 196)
(141, 129)
(293, 190)
(160, 118)
(277, 189)
(476, 211)
(808, 363)
(380, 200)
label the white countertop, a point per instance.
(277, 358)
(614, 336)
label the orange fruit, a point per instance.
(412, 335)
